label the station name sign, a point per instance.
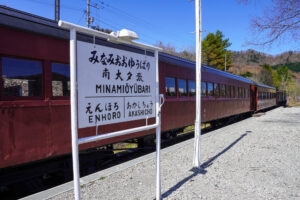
(114, 85)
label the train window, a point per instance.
(259, 95)
(216, 89)
(228, 90)
(182, 91)
(192, 88)
(232, 92)
(60, 79)
(203, 89)
(223, 90)
(21, 77)
(244, 93)
(240, 93)
(237, 90)
(210, 89)
(170, 87)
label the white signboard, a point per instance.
(113, 85)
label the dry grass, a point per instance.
(124, 145)
(295, 104)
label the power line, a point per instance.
(135, 26)
(140, 20)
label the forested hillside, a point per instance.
(241, 59)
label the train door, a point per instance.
(253, 98)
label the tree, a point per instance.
(284, 77)
(280, 20)
(170, 49)
(287, 83)
(266, 75)
(214, 51)
(97, 28)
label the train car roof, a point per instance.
(25, 21)
(191, 64)
(225, 74)
(264, 86)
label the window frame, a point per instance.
(186, 88)
(228, 91)
(175, 87)
(208, 95)
(20, 98)
(51, 89)
(223, 92)
(218, 87)
(232, 94)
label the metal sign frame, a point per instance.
(159, 100)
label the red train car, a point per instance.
(34, 92)
(265, 96)
(280, 97)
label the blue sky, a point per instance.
(169, 21)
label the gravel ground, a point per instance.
(257, 158)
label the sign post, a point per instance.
(198, 85)
(110, 85)
(74, 129)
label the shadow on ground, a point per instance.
(203, 167)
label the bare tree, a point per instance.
(280, 20)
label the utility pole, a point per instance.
(198, 85)
(57, 10)
(88, 14)
(89, 19)
(225, 62)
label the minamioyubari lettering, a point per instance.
(122, 89)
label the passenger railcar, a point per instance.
(34, 92)
(265, 95)
(280, 97)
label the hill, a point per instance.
(241, 59)
(295, 67)
(249, 64)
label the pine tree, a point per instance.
(214, 51)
